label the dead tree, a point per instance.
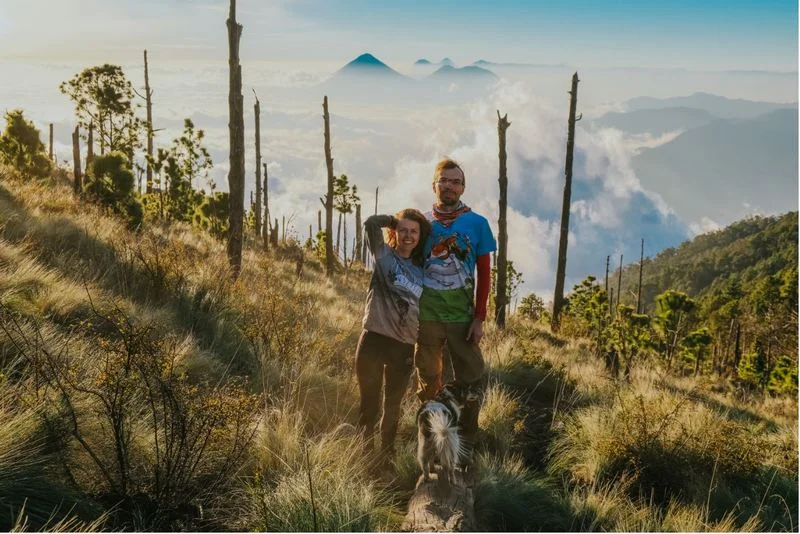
(338, 233)
(273, 235)
(51, 142)
(76, 160)
(358, 244)
(90, 149)
(639, 292)
(502, 234)
(608, 263)
(558, 297)
(236, 133)
(319, 220)
(148, 94)
(619, 282)
(257, 112)
(329, 265)
(265, 229)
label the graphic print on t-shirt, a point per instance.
(446, 267)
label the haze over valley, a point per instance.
(648, 153)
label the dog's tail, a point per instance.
(446, 439)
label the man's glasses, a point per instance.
(449, 181)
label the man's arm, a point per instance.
(482, 288)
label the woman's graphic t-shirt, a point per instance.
(392, 307)
(450, 256)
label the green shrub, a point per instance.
(111, 184)
(21, 147)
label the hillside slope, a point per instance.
(746, 252)
(141, 389)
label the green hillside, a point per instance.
(745, 253)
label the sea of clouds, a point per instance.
(394, 145)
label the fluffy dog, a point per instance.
(437, 436)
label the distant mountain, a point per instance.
(656, 121)
(719, 106)
(447, 62)
(367, 64)
(470, 73)
(422, 61)
(726, 168)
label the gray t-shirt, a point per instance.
(392, 307)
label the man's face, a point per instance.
(449, 187)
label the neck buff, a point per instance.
(447, 217)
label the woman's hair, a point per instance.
(424, 232)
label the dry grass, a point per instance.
(656, 453)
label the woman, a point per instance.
(386, 347)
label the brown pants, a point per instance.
(379, 357)
(468, 369)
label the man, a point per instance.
(453, 306)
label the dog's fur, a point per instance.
(437, 436)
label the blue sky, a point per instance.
(710, 35)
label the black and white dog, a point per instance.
(437, 436)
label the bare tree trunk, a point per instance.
(338, 233)
(359, 235)
(110, 138)
(639, 292)
(619, 282)
(148, 94)
(376, 201)
(90, 149)
(76, 160)
(236, 132)
(274, 234)
(329, 196)
(257, 112)
(283, 228)
(130, 145)
(344, 243)
(265, 229)
(608, 262)
(558, 297)
(51, 142)
(319, 220)
(611, 302)
(502, 233)
(310, 235)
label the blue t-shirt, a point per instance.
(451, 253)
